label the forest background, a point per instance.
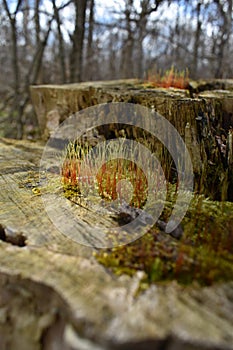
(69, 41)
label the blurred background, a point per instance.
(68, 41)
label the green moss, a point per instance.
(203, 255)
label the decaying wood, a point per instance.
(54, 294)
(203, 116)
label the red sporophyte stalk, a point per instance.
(114, 185)
(66, 172)
(171, 78)
(70, 172)
(107, 178)
(108, 182)
(73, 175)
(112, 172)
(119, 167)
(99, 178)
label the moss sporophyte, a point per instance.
(106, 176)
(170, 78)
(205, 252)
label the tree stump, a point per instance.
(203, 118)
(55, 295)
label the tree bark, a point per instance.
(15, 67)
(197, 41)
(76, 58)
(37, 21)
(226, 29)
(89, 61)
(141, 24)
(60, 43)
(208, 152)
(128, 44)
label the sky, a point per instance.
(103, 13)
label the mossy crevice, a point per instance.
(203, 255)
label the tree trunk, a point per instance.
(16, 108)
(226, 29)
(26, 30)
(142, 31)
(37, 22)
(34, 70)
(127, 62)
(196, 42)
(76, 58)
(90, 52)
(60, 43)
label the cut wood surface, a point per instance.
(55, 295)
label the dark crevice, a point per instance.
(53, 336)
(147, 344)
(12, 237)
(2, 234)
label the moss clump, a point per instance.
(204, 254)
(108, 172)
(170, 78)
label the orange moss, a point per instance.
(107, 179)
(170, 78)
(119, 169)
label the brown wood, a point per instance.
(54, 294)
(207, 114)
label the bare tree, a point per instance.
(77, 38)
(31, 74)
(128, 42)
(197, 40)
(60, 43)
(146, 9)
(15, 65)
(90, 51)
(122, 47)
(225, 10)
(26, 30)
(136, 19)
